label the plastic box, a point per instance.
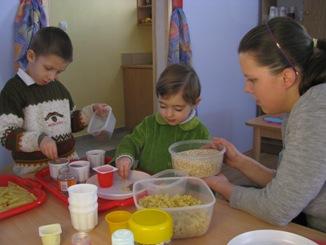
(192, 157)
(189, 221)
(99, 126)
(170, 173)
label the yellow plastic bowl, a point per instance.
(151, 226)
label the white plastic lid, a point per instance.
(122, 237)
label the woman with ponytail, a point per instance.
(285, 72)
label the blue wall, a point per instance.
(216, 28)
(8, 9)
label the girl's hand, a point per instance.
(123, 164)
(101, 109)
(232, 156)
(49, 148)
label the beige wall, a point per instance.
(100, 31)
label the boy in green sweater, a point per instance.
(37, 114)
(178, 92)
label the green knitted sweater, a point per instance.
(150, 140)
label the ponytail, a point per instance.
(314, 71)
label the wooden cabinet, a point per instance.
(144, 12)
(311, 13)
(138, 93)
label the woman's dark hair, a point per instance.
(177, 78)
(52, 41)
(282, 43)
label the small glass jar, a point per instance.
(81, 238)
(66, 179)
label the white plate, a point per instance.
(270, 237)
(118, 190)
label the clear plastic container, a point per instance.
(188, 221)
(192, 157)
(99, 126)
(80, 238)
(170, 173)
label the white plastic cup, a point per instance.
(95, 157)
(82, 193)
(84, 219)
(85, 203)
(80, 169)
(50, 234)
(56, 165)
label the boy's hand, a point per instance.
(123, 164)
(101, 109)
(49, 148)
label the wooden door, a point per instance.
(314, 17)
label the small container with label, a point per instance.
(66, 179)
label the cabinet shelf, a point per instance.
(144, 13)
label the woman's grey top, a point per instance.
(299, 182)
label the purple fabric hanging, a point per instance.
(179, 39)
(29, 19)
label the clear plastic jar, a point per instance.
(66, 179)
(81, 238)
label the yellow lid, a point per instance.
(151, 226)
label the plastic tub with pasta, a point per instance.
(191, 203)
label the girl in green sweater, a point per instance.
(178, 92)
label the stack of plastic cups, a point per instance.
(83, 206)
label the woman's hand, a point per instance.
(232, 156)
(220, 184)
(49, 148)
(101, 109)
(123, 164)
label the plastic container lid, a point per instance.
(122, 237)
(151, 226)
(97, 124)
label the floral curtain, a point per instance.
(179, 39)
(29, 19)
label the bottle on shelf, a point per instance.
(273, 12)
(291, 12)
